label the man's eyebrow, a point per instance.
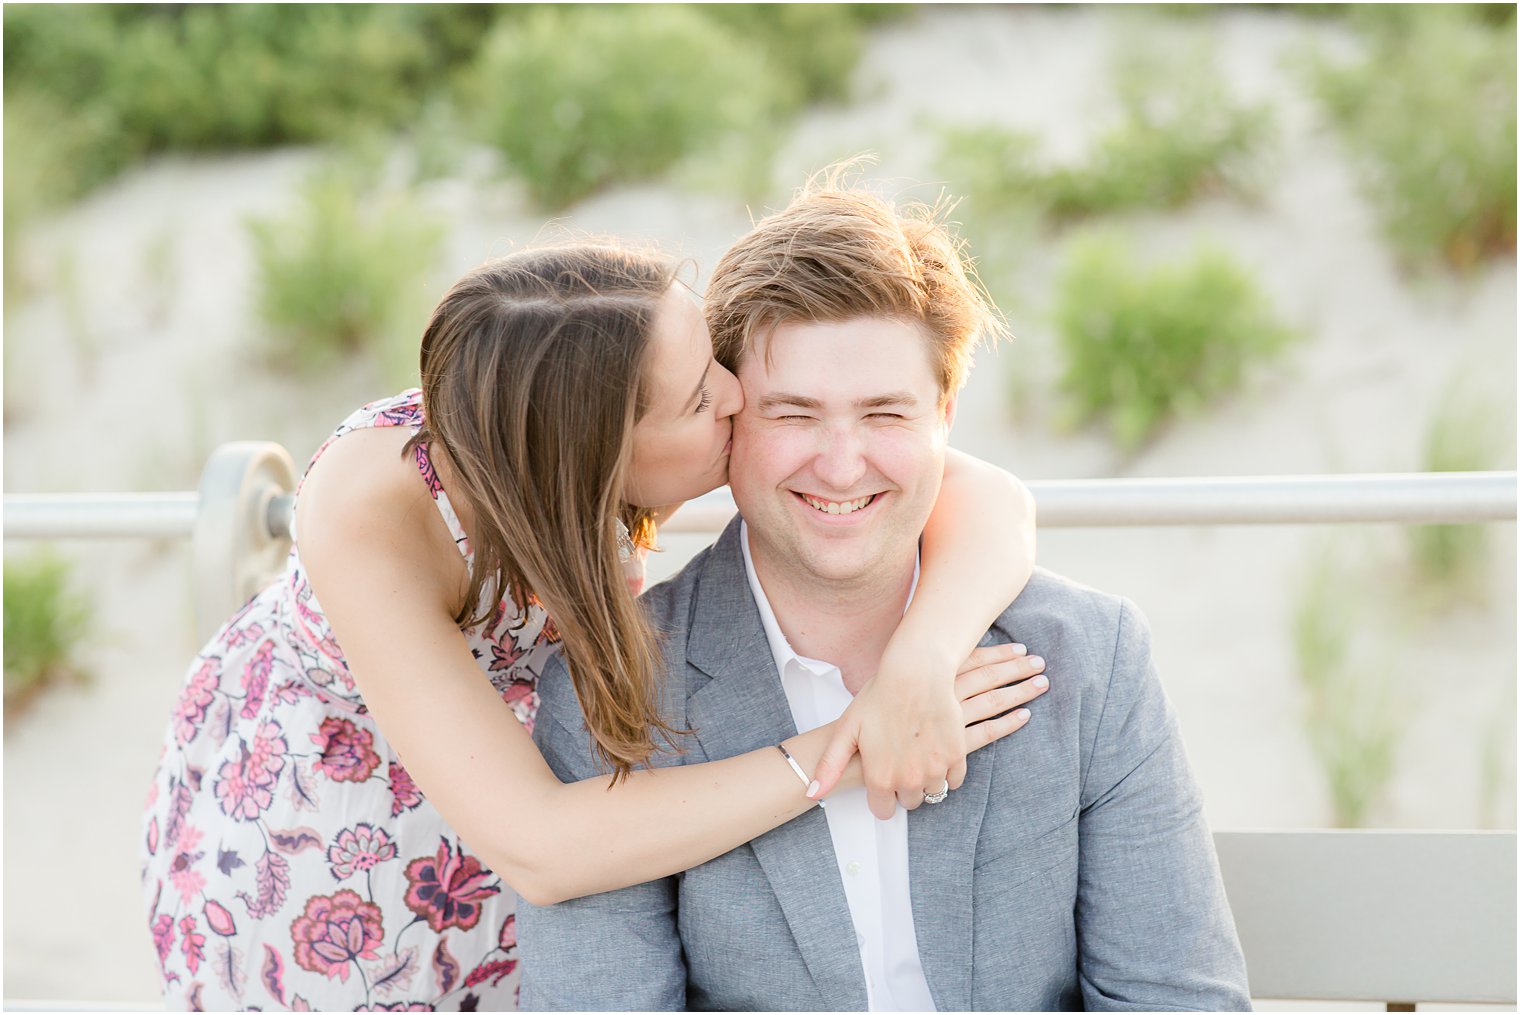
(890, 399)
(697, 393)
(769, 402)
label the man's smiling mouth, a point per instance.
(835, 507)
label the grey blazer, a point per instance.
(1073, 869)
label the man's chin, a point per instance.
(843, 569)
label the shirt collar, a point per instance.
(781, 649)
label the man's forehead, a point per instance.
(807, 336)
(892, 355)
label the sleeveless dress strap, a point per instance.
(441, 499)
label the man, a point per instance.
(1071, 869)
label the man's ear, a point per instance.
(949, 410)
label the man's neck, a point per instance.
(847, 625)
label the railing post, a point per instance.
(236, 548)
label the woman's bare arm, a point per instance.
(386, 574)
(977, 555)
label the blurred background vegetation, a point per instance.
(47, 621)
(1211, 269)
(575, 97)
(1428, 110)
(571, 98)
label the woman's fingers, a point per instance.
(996, 673)
(984, 733)
(1000, 699)
(956, 775)
(994, 685)
(836, 757)
(991, 654)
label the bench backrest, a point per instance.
(1372, 915)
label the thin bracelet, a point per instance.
(807, 783)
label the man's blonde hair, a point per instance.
(835, 254)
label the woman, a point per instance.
(291, 858)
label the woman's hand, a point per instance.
(912, 740)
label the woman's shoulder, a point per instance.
(367, 469)
(365, 492)
(365, 516)
(397, 414)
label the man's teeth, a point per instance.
(836, 507)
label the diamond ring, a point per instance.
(939, 796)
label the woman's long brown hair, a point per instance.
(533, 372)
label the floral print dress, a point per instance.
(288, 859)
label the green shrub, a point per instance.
(339, 274)
(1141, 346)
(1180, 136)
(1466, 434)
(579, 97)
(815, 45)
(574, 98)
(1429, 113)
(1354, 717)
(1498, 15)
(45, 621)
(996, 168)
(198, 76)
(439, 142)
(137, 79)
(51, 157)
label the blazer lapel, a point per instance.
(941, 852)
(741, 707)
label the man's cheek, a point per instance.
(749, 466)
(743, 436)
(762, 446)
(902, 451)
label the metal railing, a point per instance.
(240, 519)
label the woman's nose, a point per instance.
(729, 397)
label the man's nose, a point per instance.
(841, 460)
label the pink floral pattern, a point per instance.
(163, 935)
(404, 792)
(336, 932)
(359, 849)
(192, 945)
(219, 920)
(256, 680)
(266, 753)
(346, 751)
(199, 692)
(183, 872)
(243, 787)
(448, 888)
(289, 860)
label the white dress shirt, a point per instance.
(872, 855)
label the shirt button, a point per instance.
(852, 868)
